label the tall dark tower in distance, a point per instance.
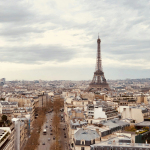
(99, 82)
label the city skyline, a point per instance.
(57, 40)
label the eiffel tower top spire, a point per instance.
(98, 59)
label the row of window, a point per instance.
(119, 148)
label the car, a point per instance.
(43, 143)
(63, 128)
(53, 138)
(51, 133)
(65, 136)
(49, 139)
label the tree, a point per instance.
(4, 117)
(56, 125)
(33, 141)
(130, 128)
(58, 104)
(55, 146)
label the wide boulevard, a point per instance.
(44, 138)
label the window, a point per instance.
(82, 148)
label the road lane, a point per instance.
(44, 138)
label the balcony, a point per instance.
(4, 139)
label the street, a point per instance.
(63, 134)
(44, 138)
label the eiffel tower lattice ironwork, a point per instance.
(99, 82)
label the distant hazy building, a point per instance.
(2, 81)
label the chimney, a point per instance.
(84, 128)
(97, 130)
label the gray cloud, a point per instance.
(16, 33)
(36, 53)
(124, 28)
(15, 11)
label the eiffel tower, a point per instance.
(99, 82)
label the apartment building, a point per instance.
(16, 122)
(6, 108)
(19, 112)
(125, 100)
(120, 143)
(101, 111)
(7, 139)
(131, 113)
(23, 134)
(21, 99)
(83, 138)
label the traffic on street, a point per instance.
(47, 136)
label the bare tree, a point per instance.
(33, 141)
(57, 105)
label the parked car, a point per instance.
(49, 139)
(43, 143)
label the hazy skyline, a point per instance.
(56, 40)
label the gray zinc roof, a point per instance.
(121, 123)
(86, 135)
(8, 103)
(110, 124)
(144, 123)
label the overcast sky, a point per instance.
(57, 39)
